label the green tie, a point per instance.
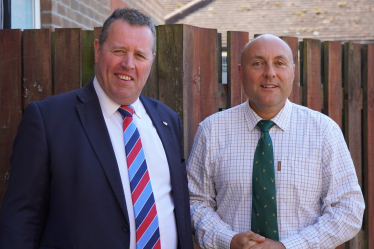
(264, 202)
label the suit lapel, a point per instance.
(94, 124)
(169, 141)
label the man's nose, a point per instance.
(269, 71)
(128, 62)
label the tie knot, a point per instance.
(265, 125)
(126, 110)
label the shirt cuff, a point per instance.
(296, 241)
(224, 238)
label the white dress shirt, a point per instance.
(156, 161)
(319, 200)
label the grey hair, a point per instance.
(131, 16)
(263, 36)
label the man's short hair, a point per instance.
(131, 16)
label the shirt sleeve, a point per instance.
(342, 203)
(209, 229)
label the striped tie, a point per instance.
(146, 219)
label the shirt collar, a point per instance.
(282, 119)
(108, 106)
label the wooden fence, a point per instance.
(335, 78)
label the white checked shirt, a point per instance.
(319, 201)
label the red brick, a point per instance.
(70, 13)
(56, 20)
(66, 2)
(61, 9)
(45, 18)
(45, 5)
(78, 17)
(82, 9)
(74, 5)
(66, 23)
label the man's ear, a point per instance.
(97, 50)
(293, 70)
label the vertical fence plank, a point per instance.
(333, 92)
(68, 60)
(368, 145)
(10, 98)
(178, 71)
(219, 57)
(151, 88)
(208, 82)
(235, 43)
(352, 108)
(294, 45)
(88, 56)
(312, 74)
(97, 31)
(37, 68)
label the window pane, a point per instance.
(22, 14)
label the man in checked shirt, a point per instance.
(317, 200)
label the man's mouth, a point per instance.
(124, 77)
(268, 86)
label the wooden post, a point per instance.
(352, 109)
(88, 56)
(368, 145)
(333, 92)
(208, 70)
(151, 88)
(294, 45)
(68, 60)
(235, 43)
(37, 65)
(312, 74)
(10, 98)
(178, 74)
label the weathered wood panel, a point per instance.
(151, 88)
(235, 43)
(88, 56)
(368, 145)
(333, 91)
(312, 74)
(352, 113)
(37, 66)
(178, 71)
(10, 98)
(208, 70)
(294, 45)
(68, 60)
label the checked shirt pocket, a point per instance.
(299, 181)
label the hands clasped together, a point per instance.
(252, 240)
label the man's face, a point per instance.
(267, 73)
(124, 61)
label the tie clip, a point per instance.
(166, 124)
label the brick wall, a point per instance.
(153, 8)
(87, 14)
(84, 14)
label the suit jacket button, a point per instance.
(125, 229)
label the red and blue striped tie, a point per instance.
(146, 219)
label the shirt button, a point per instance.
(125, 229)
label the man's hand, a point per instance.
(245, 240)
(269, 244)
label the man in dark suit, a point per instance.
(71, 183)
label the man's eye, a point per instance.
(257, 64)
(279, 63)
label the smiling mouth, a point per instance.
(124, 77)
(268, 86)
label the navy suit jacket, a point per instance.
(65, 189)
